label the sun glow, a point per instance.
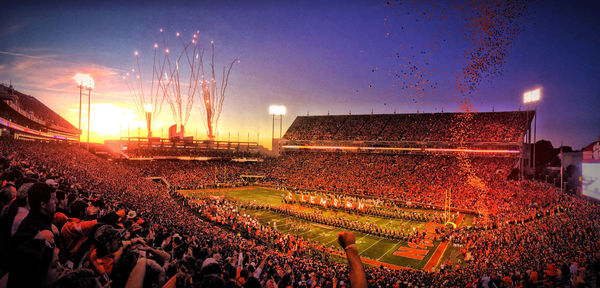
(110, 121)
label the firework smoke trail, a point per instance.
(213, 95)
(177, 65)
(145, 102)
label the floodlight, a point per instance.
(532, 96)
(84, 81)
(277, 110)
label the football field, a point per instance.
(374, 250)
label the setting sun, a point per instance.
(108, 121)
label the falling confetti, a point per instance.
(488, 27)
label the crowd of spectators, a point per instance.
(504, 127)
(145, 152)
(71, 219)
(83, 221)
(197, 174)
(556, 250)
(475, 183)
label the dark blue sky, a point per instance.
(314, 57)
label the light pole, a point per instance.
(278, 110)
(533, 96)
(84, 81)
(89, 110)
(148, 109)
(280, 124)
(80, 92)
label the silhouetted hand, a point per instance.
(346, 238)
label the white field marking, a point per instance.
(388, 251)
(309, 230)
(372, 245)
(323, 226)
(284, 226)
(358, 241)
(321, 235)
(334, 240)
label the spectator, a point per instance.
(36, 266)
(42, 203)
(78, 278)
(75, 232)
(9, 190)
(357, 274)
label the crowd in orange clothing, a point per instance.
(145, 152)
(135, 232)
(140, 233)
(197, 174)
(474, 127)
(475, 183)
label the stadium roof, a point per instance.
(36, 110)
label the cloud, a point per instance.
(48, 77)
(21, 55)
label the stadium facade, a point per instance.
(24, 117)
(497, 134)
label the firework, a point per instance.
(178, 77)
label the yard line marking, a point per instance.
(388, 251)
(321, 235)
(309, 230)
(356, 240)
(283, 226)
(322, 226)
(334, 240)
(372, 245)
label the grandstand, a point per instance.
(411, 132)
(414, 158)
(155, 148)
(23, 116)
(335, 174)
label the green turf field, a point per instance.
(369, 246)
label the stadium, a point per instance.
(307, 144)
(433, 199)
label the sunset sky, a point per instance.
(314, 57)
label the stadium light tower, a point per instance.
(278, 110)
(148, 109)
(84, 81)
(534, 97)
